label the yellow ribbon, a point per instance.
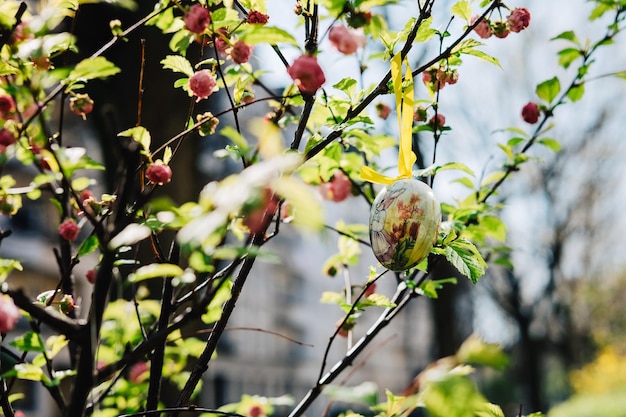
(404, 108)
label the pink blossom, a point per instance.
(202, 84)
(307, 74)
(138, 372)
(220, 39)
(7, 138)
(344, 40)
(519, 19)
(437, 122)
(69, 230)
(338, 188)
(530, 113)
(159, 173)
(383, 110)
(7, 105)
(257, 18)
(9, 314)
(240, 52)
(483, 28)
(197, 19)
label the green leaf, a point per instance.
(468, 47)
(491, 410)
(156, 271)
(477, 352)
(29, 342)
(91, 68)
(576, 92)
(433, 169)
(26, 371)
(425, 32)
(178, 63)
(551, 144)
(214, 311)
(130, 235)
(7, 69)
(568, 36)
(549, 89)
(256, 34)
(466, 259)
(462, 9)
(568, 55)
(139, 134)
(89, 245)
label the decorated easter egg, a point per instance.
(404, 222)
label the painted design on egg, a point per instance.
(404, 222)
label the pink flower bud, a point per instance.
(419, 114)
(345, 40)
(530, 113)
(197, 19)
(338, 188)
(159, 173)
(240, 52)
(69, 230)
(7, 138)
(382, 110)
(220, 38)
(307, 74)
(202, 84)
(257, 18)
(501, 29)
(138, 372)
(359, 18)
(483, 28)
(437, 122)
(519, 19)
(7, 105)
(81, 104)
(91, 275)
(9, 314)
(67, 305)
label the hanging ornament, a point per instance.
(405, 216)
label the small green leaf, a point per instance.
(29, 342)
(178, 63)
(256, 34)
(214, 311)
(549, 89)
(462, 9)
(551, 144)
(475, 351)
(568, 55)
(89, 245)
(425, 32)
(139, 134)
(26, 371)
(91, 68)
(576, 92)
(130, 235)
(466, 259)
(7, 69)
(156, 271)
(568, 36)
(366, 393)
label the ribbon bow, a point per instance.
(404, 109)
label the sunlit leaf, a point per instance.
(156, 271)
(88, 245)
(365, 393)
(549, 89)
(178, 63)
(255, 34)
(462, 9)
(92, 68)
(551, 144)
(131, 234)
(139, 134)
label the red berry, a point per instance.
(530, 113)
(159, 174)
(69, 230)
(202, 84)
(307, 74)
(382, 110)
(197, 19)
